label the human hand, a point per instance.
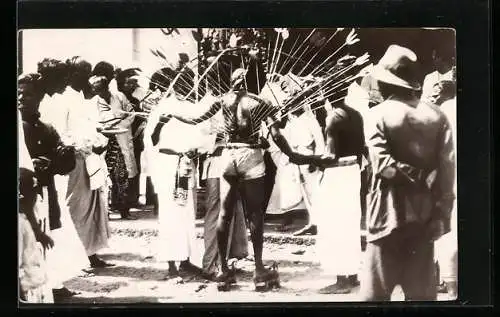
(299, 159)
(165, 117)
(389, 172)
(98, 149)
(41, 163)
(326, 161)
(191, 153)
(312, 168)
(121, 114)
(264, 142)
(45, 240)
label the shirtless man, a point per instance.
(243, 169)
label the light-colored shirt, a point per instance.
(431, 80)
(54, 111)
(449, 108)
(115, 109)
(24, 156)
(79, 128)
(304, 134)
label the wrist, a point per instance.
(38, 233)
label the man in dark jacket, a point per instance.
(411, 190)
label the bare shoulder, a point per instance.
(259, 99)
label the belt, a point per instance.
(242, 146)
(170, 152)
(346, 161)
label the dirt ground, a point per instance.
(139, 278)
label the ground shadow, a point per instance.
(140, 273)
(91, 286)
(111, 300)
(126, 257)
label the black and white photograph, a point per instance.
(236, 165)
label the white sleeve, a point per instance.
(427, 87)
(24, 155)
(317, 134)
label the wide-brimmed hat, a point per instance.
(398, 67)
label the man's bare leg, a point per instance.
(253, 194)
(228, 191)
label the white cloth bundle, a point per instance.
(96, 170)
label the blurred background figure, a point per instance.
(127, 82)
(439, 85)
(34, 284)
(116, 112)
(53, 81)
(447, 246)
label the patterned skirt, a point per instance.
(118, 175)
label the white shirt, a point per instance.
(79, 128)
(176, 135)
(24, 155)
(304, 134)
(53, 110)
(432, 79)
(449, 108)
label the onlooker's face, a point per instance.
(81, 74)
(28, 99)
(29, 197)
(55, 85)
(99, 85)
(440, 63)
(130, 85)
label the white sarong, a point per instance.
(68, 257)
(338, 208)
(176, 222)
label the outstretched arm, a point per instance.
(212, 110)
(278, 138)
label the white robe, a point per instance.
(68, 257)
(304, 135)
(176, 223)
(338, 208)
(118, 104)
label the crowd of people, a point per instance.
(381, 160)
